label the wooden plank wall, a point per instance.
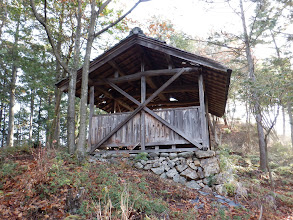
(185, 119)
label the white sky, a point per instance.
(198, 18)
(191, 16)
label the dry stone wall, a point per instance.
(193, 169)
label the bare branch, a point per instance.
(233, 49)
(49, 35)
(103, 6)
(118, 20)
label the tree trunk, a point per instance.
(81, 145)
(11, 107)
(3, 127)
(257, 109)
(291, 121)
(284, 121)
(72, 86)
(31, 117)
(54, 132)
(1, 116)
(12, 87)
(39, 120)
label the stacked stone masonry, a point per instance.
(192, 169)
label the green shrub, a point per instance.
(141, 156)
(230, 188)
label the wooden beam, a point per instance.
(143, 97)
(139, 108)
(92, 108)
(171, 89)
(149, 150)
(169, 61)
(149, 73)
(174, 103)
(150, 81)
(106, 93)
(202, 111)
(116, 67)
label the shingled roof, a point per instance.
(125, 58)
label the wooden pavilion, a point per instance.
(157, 97)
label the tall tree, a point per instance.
(89, 34)
(14, 55)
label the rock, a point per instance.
(148, 166)
(156, 164)
(163, 176)
(223, 177)
(181, 168)
(205, 180)
(164, 154)
(143, 162)
(200, 173)
(170, 163)
(138, 165)
(204, 154)
(241, 190)
(105, 155)
(186, 154)
(165, 165)
(180, 161)
(132, 156)
(189, 160)
(201, 184)
(192, 166)
(210, 166)
(92, 160)
(196, 162)
(179, 179)
(207, 190)
(102, 160)
(151, 161)
(221, 197)
(192, 185)
(221, 189)
(172, 156)
(189, 174)
(233, 204)
(221, 200)
(175, 159)
(201, 206)
(158, 170)
(193, 201)
(171, 173)
(153, 155)
(203, 193)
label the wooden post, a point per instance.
(142, 115)
(203, 120)
(92, 108)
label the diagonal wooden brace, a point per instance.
(152, 113)
(139, 108)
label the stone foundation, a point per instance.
(193, 169)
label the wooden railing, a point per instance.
(187, 120)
